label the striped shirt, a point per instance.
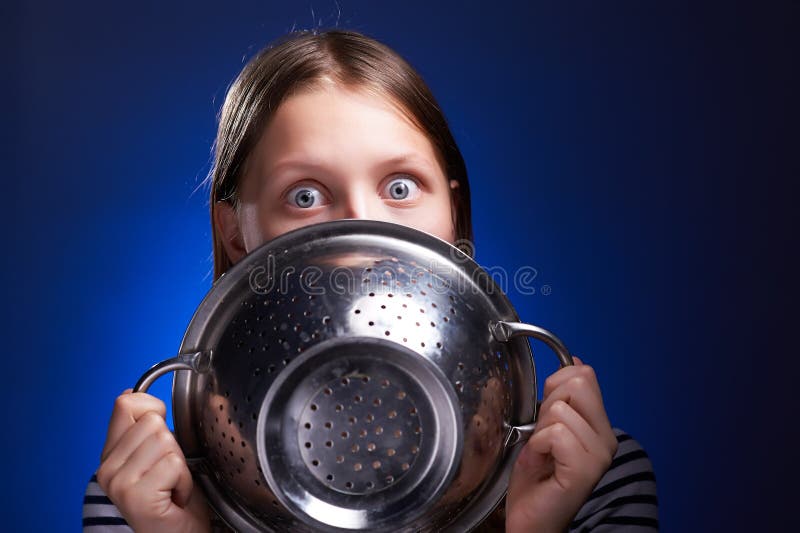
(624, 499)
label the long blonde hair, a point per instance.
(300, 60)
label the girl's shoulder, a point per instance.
(625, 497)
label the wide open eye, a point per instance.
(402, 189)
(305, 196)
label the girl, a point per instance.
(323, 126)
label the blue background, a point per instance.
(641, 155)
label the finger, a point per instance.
(555, 441)
(128, 408)
(169, 475)
(143, 458)
(150, 451)
(577, 360)
(148, 425)
(555, 380)
(562, 412)
(584, 399)
(573, 468)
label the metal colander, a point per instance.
(354, 375)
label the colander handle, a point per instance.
(503, 331)
(197, 361)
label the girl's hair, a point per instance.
(301, 60)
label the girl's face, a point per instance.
(333, 153)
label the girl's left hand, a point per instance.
(570, 450)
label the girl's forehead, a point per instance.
(335, 122)
(328, 92)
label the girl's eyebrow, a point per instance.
(408, 158)
(294, 162)
(312, 163)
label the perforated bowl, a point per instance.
(354, 375)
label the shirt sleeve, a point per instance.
(625, 498)
(100, 515)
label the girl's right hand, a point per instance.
(143, 470)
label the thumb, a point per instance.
(531, 465)
(197, 505)
(577, 360)
(536, 456)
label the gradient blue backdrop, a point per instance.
(640, 155)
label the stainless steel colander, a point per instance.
(354, 375)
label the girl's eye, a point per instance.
(305, 196)
(402, 189)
